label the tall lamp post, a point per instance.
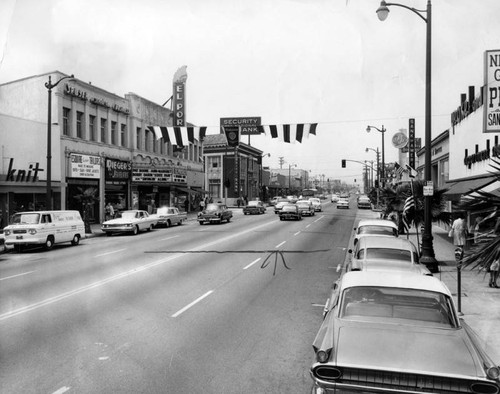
(428, 256)
(378, 173)
(290, 176)
(382, 131)
(49, 85)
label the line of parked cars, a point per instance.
(390, 326)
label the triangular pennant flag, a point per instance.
(300, 132)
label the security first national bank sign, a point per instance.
(247, 125)
(492, 91)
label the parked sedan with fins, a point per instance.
(168, 216)
(215, 213)
(254, 207)
(394, 332)
(131, 221)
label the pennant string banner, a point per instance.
(182, 136)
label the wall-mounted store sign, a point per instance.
(492, 91)
(170, 175)
(22, 174)
(117, 170)
(467, 106)
(84, 166)
(83, 95)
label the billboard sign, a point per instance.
(492, 91)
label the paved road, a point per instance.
(186, 309)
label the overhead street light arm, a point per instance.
(383, 10)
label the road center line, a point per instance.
(252, 263)
(105, 254)
(164, 239)
(191, 304)
(277, 246)
(298, 232)
(321, 217)
(125, 274)
(15, 276)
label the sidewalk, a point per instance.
(480, 304)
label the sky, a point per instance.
(330, 62)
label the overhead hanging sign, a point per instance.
(247, 125)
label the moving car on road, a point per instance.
(306, 208)
(290, 211)
(215, 213)
(335, 197)
(394, 332)
(280, 203)
(316, 202)
(254, 207)
(131, 221)
(343, 203)
(168, 216)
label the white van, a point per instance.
(44, 228)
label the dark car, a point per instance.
(364, 202)
(215, 213)
(290, 211)
(254, 207)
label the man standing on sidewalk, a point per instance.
(459, 231)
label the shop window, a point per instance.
(66, 121)
(103, 130)
(79, 124)
(92, 134)
(113, 133)
(146, 140)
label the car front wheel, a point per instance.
(135, 231)
(76, 240)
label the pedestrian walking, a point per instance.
(494, 271)
(110, 211)
(202, 204)
(458, 231)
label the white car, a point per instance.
(131, 221)
(168, 216)
(343, 203)
(373, 253)
(378, 227)
(279, 204)
(335, 197)
(316, 202)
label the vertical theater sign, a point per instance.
(492, 91)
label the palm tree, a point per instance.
(87, 197)
(394, 198)
(485, 252)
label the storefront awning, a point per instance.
(183, 189)
(458, 189)
(199, 190)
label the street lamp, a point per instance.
(49, 86)
(378, 173)
(382, 130)
(290, 177)
(428, 257)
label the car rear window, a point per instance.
(397, 304)
(378, 230)
(388, 254)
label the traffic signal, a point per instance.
(343, 163)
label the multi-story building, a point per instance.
(100, 146)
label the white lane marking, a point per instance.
(321, 217)
(191, 304)
(15, 276)
(308, 225)
(297, 233)
(125, 274)
(61, 390)
(105, 254)
(252, 263)
(164, 239)
(277, 246)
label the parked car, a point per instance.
(131, 221)
(385, 253)
(215, 213)
(395, 332)
(379, 227)
(335, 197)
(168, 216)
(343, 203)
(254, 207)
(290, 211)
(316, 202)
(279, 204)
(364, 202)
(2, 241)
(45, 228)
(306, 208)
